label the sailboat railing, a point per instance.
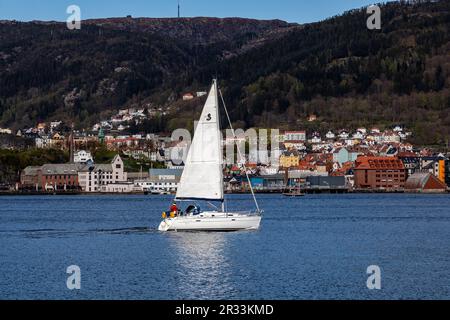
(258, 210)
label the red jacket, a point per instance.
(174, 208)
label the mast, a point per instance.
(71, 146)
(216, 87)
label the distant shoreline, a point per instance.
(15, 193)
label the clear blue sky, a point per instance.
(290, 10)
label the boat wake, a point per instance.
(62, 233)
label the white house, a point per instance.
(294, 136)
(358, 135)
(402, 135)
(158, 186)
(161, 181)
(82, 157)
(351, 142)
(391, 136)
(42, 142)
(315, 138)
(120, 187)
(92, 177)
(106, 125)
(362, 130)
(375, 130)
(343, 134)
(330, 135)
(55, 124)
(5, 131)
(188, 96)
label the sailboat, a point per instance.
(202, 180)
(291, 191)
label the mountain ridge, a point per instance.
(336, 69)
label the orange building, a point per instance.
(379, 173)
(442, 170)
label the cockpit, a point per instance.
(193, 210)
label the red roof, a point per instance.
(405, 154)
(379, 163)
(121, 140)
(344, 169)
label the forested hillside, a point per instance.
(350, 76)
(273, 74)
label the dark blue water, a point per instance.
(316, 247)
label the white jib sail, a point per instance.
(202, 176)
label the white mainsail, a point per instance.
(202, 176)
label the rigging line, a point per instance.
(239, 151)
(212, 205)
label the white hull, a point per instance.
(212, 221)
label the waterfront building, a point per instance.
(165, 174)
(326, 183)
(119, 187)
(29, 178)
(60, 176)
(136, 176)
(93, 177)
(379, 173)
(424, 182)
(411, 162)
(51, 177)
(160, 181)
(269, 183)
(434, 165)
(158, 186)
(447, 172)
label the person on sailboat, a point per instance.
(174, 209)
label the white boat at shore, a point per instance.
(202, 180)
